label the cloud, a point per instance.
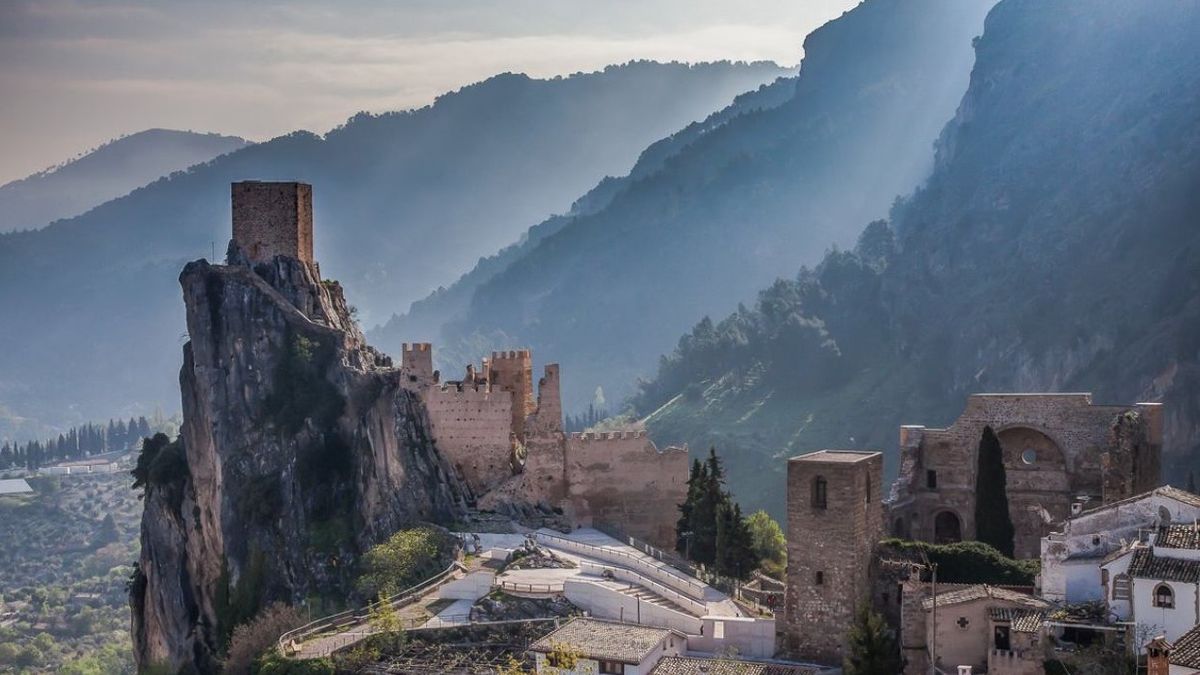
(78, 72)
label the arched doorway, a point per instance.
(947, 528)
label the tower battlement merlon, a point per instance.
(273, 219)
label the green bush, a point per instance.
(406, 558)
(161, 462)
(273, 663)
(969, 562)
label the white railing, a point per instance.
(667, 575)
(361, 615)
(696, 607)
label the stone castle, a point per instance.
(504, 438)
(1063, 455)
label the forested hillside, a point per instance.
(105, 173)
(404, 201)
(1056, 247)
(723, 212)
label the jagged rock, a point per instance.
(302, 450)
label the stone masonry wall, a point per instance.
(472, 428)
(1056, 450)
(829, 549)
(621, 479)
(271, 219)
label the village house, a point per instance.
(1157, 585)
(592, 646)
(1072, 556)
(981, 626)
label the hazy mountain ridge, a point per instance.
(402, 200)
(752, 199)
(426, 317)
(1054, 248)
(105, 173)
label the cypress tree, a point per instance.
(993, 523)
(683, 527)
(872, 648)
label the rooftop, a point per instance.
(1178, 535)
(984, 591)
(1146, 565)
(14, 486)
(1186, 650)
(846, 456)
(689, 665)
(605, 640)
(1020, 620)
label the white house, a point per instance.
(598, 647)
(1157, 585)
(1072, 557)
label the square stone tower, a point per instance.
(834, 521)
(271, 219)
(512, 371)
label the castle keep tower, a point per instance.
(271, 219)
(512, 371)
(834, 521)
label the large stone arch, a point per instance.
(947, 527)
(1029, 448)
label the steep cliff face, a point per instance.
(1053, 248)
(300, 449)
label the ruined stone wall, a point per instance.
(1056, 448)
(621, 479)
(472, 428)
(271, 219)
(830, 546)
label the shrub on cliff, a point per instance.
(161, 462)
(300, 390)
(259, 635)
(968, 562)
(406, 558)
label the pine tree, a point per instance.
(993, 523)
(872, 648)
(683, 527)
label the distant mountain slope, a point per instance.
(425, 318)
(1056, 247)
(735, 207)
(404, 201)
(105, 173)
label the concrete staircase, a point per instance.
(641, 593)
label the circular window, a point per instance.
(1029, 456)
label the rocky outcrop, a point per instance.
(301, 450)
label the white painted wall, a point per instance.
(607, 603)
(1172, 623)
(740, 636)
(1087, 538)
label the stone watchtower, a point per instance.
(834, 521)
(271, 219)
(512, 371)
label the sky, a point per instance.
(76, 73)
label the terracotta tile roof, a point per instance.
(605, 640)
(1186, 650)
(981, 591)
(1020, 620)
(686, 665)
(1178, 535)
(1146, 565)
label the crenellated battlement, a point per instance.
(512, 354)
(418, 347)
(607, 435)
